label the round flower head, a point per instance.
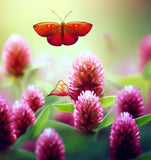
(16, 55)
(23, 117)
(7, 129)
(34, 97)
(124, 138)
(145, 52)
(86, 74)
(50, 146)
(129, 99)
(88, 112)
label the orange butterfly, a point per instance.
(61, 89)
(64, 33)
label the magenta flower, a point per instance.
(129, 99)
(7, 129)
(145, 52)
(16, 55)
(34, 97)
(86, 74)
(64, 117)
(88, 112)
(50, 146)
(124, 138)
(23, 117)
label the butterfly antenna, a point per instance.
(56, 15)
(67, 15)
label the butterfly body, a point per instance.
(64, 33)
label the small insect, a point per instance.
(61, 89)
(64, 33)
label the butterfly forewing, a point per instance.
(46, 29)
(78, 28)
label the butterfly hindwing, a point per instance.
(46, 29)
(55, 40)
(78, 28)
(69, 39)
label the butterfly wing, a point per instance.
(69, 39)
(78, 28)
(66, 34)
(61, 89)
(56, 39)
(46, 29)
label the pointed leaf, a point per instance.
(40, 123)
(143, 119)
(38, 112)
(18, 143)
(107, 101)
(107, 120)
(69, 107)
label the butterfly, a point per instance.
(64, 33)
(61, 89)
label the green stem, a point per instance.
(19, 87)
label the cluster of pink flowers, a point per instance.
(124, 136)
(85, 89)
(15, 120)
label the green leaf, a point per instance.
(107, 101)
(22, 139)
(107, 120)
(23, 155)
(68, 107)
(40, 123)
(61, 127)
(143, 120)
(72, 138)
(18, 143)
(147, 71)
(36, 65)
(38, 112)
(145, 156)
